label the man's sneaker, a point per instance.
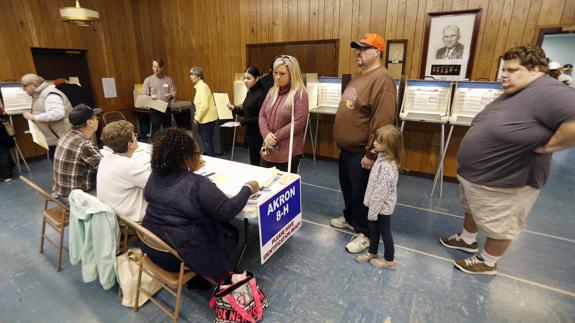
(8, 180)
(358, 244)
(475, 265)
(455, 242)
(382, 263)
(340, 222)
(365, 257)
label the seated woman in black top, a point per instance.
(188, 211)
(250, 110)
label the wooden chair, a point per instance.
(58, 217)
(170, 281)
(111, 116)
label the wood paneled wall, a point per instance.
(213, 34)
(111, 43)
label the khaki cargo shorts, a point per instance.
(498, 212)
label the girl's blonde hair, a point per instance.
(296, 80)
(392, 139)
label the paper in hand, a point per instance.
(37, 135)
(230, 124)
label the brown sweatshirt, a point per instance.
(368, 103)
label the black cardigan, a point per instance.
(191, 214)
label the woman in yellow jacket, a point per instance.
(206, 112)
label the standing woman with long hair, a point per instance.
(250, 110)
(285, 101)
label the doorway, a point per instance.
(53, 64)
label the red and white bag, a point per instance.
(238, 299)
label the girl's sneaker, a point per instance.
(365, 257)
(382, 263)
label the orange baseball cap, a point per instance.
(370, 40)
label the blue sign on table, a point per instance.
(279, 210)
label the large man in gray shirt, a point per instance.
(505, 156)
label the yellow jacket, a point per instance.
(206, 110)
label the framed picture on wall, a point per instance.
(395, 57)
(449, 44)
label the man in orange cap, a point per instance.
(368, 103)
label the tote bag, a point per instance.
(128, 266)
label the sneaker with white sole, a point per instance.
(456, 242)
(365, 257)
(475, 265)
(358, 244)
(340, 223)
(382, 263)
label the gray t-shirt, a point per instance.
(497, 150)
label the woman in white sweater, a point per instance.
(122, 176)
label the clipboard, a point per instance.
(222, 101)
(146, 101)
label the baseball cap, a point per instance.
(370, 40)
(81, 113)
(554, 66)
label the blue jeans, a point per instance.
(207, 132)
(353, 181)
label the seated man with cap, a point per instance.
(77, 158)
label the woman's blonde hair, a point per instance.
(392, 139)
(296, 80)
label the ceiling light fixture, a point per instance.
(79, 16)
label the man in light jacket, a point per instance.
(50, 109)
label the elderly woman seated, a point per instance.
(121, 178)
(188, 211)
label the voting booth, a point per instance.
(16, 102)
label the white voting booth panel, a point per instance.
(426, 101)
(328, 97)
(16, 102)
(470, 98)
(329, 92)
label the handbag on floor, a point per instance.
(238, 299)
(128, 266)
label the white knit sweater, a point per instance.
(381, 192)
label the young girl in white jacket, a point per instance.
(381, 195)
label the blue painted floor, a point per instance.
(312, 278)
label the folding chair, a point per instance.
(57, 217)
(111, 116)
(170, 281)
